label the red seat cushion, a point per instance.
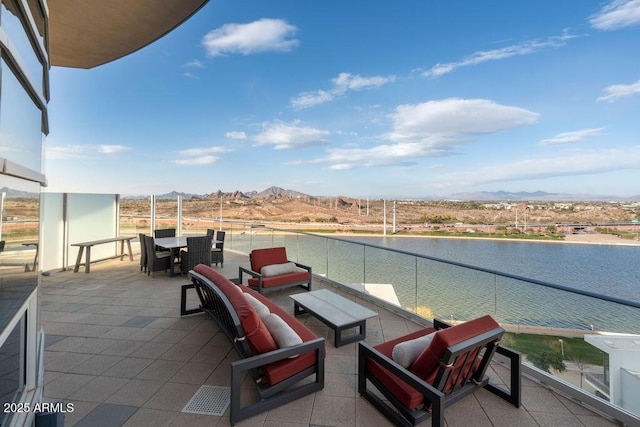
(283, 279)
(267, 256)
(409, 396)
(278, 371)
(426, 365)
(257, 333)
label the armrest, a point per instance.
(306, 267)
(249, 272)
(280, 354)
(365, 351)
(514, 394)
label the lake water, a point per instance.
(444, 290)
(605, 269)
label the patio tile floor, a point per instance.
(118, 350)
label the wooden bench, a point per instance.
(90, 244)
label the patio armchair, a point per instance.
(421, 373)
(156, 261)
(198, 252)
(271, 270)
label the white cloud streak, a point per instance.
(577, 163)
(430, 129)
(263, 35)
(203, 151)
(616, 15)
(571, 137)
(341, 84)
(525, 48)
(236, 135)
(197, 161)
(286, 136)
(86, 151)
(615, 92)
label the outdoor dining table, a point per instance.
(174, 244)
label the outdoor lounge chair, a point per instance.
(271, 270)
(198, 252)
(450, 367)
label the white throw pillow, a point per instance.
(278, 269)
(282, 333)
(260, 308)
(405, 353)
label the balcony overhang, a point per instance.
(85, 34)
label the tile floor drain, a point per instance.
(209, 400)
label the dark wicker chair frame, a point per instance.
(143, 252)
(198, 252)
(217, 253)
(400, 415)
(216, 304)
(155, 261)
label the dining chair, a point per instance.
(217, 253)
(143, 252)
(198, 252)
(156, 261)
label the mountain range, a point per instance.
(278, 192)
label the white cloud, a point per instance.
(263, 35)
(615, 92)
(617, 14)
(86, 151)
(236, 135)
(430, 129)
(195, 63)
(454, 117)
(576, 163)
(341, 84)
(571, 137)
(520, 49)
(198, 161)
(206, 151)
(285, 136)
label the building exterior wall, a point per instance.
(24, 93)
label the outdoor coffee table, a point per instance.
(334, 311)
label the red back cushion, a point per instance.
(257, 333)
(426, 364)
(268, 256)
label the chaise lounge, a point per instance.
(421, 373)
(271, 270)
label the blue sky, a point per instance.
(363, 99)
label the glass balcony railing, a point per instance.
(547, 322)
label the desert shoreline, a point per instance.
(580, 239)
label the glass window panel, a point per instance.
(20, 123)
(12, 367)
(19, 230)
(12, 25)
